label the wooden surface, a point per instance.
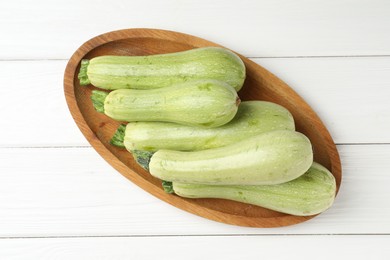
(260, 84)
(167, 248)
(65, 202)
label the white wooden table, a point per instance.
(60, 200)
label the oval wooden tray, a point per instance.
(260, 84)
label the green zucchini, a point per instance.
(268, 158)
(205, 103)
(156, 71)
(252, 118)
(309, 194)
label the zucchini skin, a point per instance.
(252, 118)
(156, 71)
(205, 103)
(268, 158)
(309, 194)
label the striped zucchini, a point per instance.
(205, 103)
(252, 118)
(309, 194)
(268, 158)
(156, 71)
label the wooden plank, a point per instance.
(346, 93)
(242, 247)
(253, 28)
(34, 105)
(73, 192)
(335, 88)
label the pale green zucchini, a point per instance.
(205, 103)
(309, 194)
(252, 118)
(156, 71)
(268, 158)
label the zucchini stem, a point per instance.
(98, 98)
(142, 158)
(167, 186)
(83, 76)
(119, 136)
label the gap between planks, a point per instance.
(197, 235)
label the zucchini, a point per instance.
(252, 118)
(309, 194)
(268, 158)
(156, 71)
(206, 103)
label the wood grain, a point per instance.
(259, 84)
(336, 88)
(45, 29)
(200, 247)
(76, 193)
